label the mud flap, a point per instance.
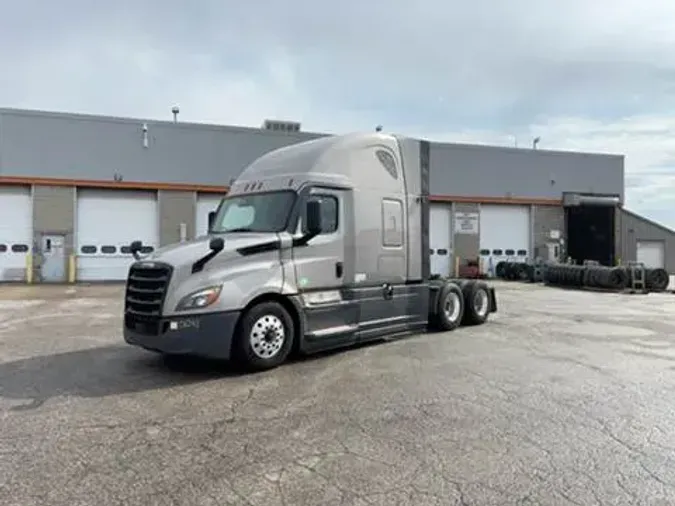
(493, 300)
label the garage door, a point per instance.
(652, 254)
(205, 204)
(107, 222)
(16, 232)
(504, 234)
(440, 241)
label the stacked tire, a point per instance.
(609, 278)
(515, 271)
(565, 275)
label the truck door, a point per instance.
(321, 271)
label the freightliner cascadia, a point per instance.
(317, 245)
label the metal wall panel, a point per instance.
(498, 172)
(42, 144)
(176, 210)
(546, 219)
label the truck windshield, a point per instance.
(261, 212)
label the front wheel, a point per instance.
(264, 337)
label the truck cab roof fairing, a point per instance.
(321, 160)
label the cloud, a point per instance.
(591, 76)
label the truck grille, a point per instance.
(147, 284)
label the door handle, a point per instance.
(338, 269)
(387, 291)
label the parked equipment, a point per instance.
(656, 280)
(318, 245)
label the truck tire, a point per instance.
(476, 303)
(264, 337)
(449, 310)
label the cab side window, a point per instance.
(329, 218)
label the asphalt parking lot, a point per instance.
(564, 397)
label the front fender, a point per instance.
(239, 287)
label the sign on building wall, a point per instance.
(466, 223)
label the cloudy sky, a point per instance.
(596, 75)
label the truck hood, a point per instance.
(189, 252)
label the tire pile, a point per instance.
(608, 278)
(514, 271)
(579, 276)
(520, 271)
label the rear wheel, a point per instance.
(449, 309)
(264, 337)
(476, 302)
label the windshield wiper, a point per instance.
(240, 229)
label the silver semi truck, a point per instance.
(318, 245)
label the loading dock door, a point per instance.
(16, 232)
(504, 234)
(652, 254)
(108, 221)
(590, 233)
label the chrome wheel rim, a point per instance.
(452, 307)
(267, 336)
(480, 302)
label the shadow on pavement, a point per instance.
(100, 372)
(113, 370)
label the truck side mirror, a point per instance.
(216, 244)
(135, 247)
(212, 218)
(313, 217)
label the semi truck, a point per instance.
(317, 245)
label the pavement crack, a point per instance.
(654, 476)
(620, 482)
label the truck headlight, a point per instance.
(197, 300)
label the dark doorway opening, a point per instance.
(590, 233)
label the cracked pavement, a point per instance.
(564, 397)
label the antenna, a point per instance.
(175, 110)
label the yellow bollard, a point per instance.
(29, 268)
(72, 269)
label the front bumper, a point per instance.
(205, 335)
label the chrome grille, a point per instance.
(147, 284)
